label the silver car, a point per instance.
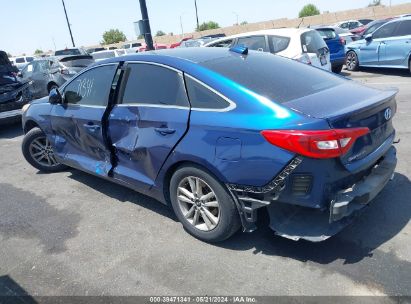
(49, 73)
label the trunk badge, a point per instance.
(388, 113)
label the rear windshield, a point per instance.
(279, 79)
(327, 33)
(311, 42)
(103, 55)
(68, 52)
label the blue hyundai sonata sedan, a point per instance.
(223, 135)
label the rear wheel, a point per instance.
(203, 205)
(337, 69)
(38, 152)
(351, 61)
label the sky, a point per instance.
(27, 25)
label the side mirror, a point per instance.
(55, 97)
(368, 37)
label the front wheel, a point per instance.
(38, 152)
(203, 205)
(351, 61)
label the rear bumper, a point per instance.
(296, 222)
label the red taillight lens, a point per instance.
(342, 40)
(316, 144)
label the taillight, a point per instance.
(304, 58)
(316, 144)
(342, 40)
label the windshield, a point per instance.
(68, 52)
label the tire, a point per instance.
(195, 215)
(337, 69)
(351, 61)
(35, 142)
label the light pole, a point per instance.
(147, 35)
(195, 4)
(68, 23)
(181, 25)
(236, 16)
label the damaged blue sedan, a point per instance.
(221, 136)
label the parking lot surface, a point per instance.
(73, 234)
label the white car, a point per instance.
(302, 44)
(101, 55)
(132, 47)
(349, 24)
(21, 61)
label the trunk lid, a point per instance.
(349, 106)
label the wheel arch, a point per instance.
(30, 124)
(185, 163)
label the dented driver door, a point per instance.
(148, 122)
(78, 129)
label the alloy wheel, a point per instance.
(351, 61)
(198, 203)
(42, 152)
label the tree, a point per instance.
(309, 10)
(38, 52)
(244, 22)
(160, 33)
(374, 3)
(210, 25)
(113, 36)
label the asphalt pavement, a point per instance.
(71, 233)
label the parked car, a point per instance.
(97, 49)
(349, 24)
(132, 47)
(221, 133)
(346, 35)
(336, 45)
(14, 94)
(157, 46)
(70, 52)
(177, 44)
(389, 46)
(50, 73)
(21, 61)
(302, 44)
(101, 55)
(369, 28)
(196, 42)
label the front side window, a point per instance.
(404, 28)
(344, 25)
(385, 31)
(153, 85)
(256, 43)
(202, 97)
(91, 87)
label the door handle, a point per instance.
(164, 131)
(91, 127)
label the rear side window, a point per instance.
(278, 43)
(202, 97)
(91, 87)
(327, 33)
(404, 28)
(154, 85)
(256, 43)
(385, 31)
(20, 60)
(311, 42)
